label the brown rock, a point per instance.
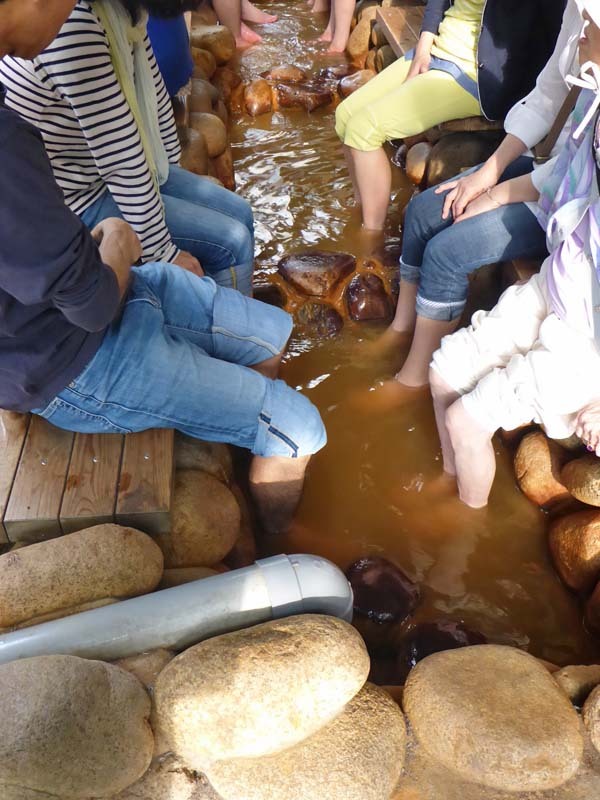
(221, 111)
(316, 273)
(416, 162)
(205, 60)
(582, 479)
(243, 553)
(575, 547)
(260, 690)
(320, 319)
(72, 727)
(495, 715)
(578, 681)
(367, 9)
(205, 88)
(378, 37)
(102, 562)
(258, 98)
(61, 613)
(456, 152)
(358, 41)
(357, 756)
(181, 575)
(382, 591)
(224, 170)
(205, 521)
(370, 60)
(213, 130)
(147, 666)
(303, 95)
(168, 779)
(225, 80)
(217, 39)
(204, 15)
(591, 717)
(212, 457)
(285, 73)
(384, 58)
(367, 299)
(351, 83)
(336, 73)
(538, 465)
(236, 100)
(194, 154)
(592, 610)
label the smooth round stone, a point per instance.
(382, 591)
(337, 72)
(147, 666)
(367, 300)
(205, 60)
(591, 717)
(309, 96)
(582, 479)
(416, 162)
(457, 151)
(260, 690)
(225, 80)
(218, 39)
(169, 779)
(194, 155)
(286, 73)
(213, 130)
(538, 464)
(257, 97)
(316, 273)
(351, 83)
(321, 319)
(577, 682)
(359, 40)
(432, 637)
(575, 546)
(212, 457)
(358, 756)
(496, 716)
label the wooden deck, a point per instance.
(54, 482)
(401, 26)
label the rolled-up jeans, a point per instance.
(439, 255)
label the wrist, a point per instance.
(491, 197)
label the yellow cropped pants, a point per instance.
(387, 107)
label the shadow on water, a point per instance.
(368, 492)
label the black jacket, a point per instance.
(517, 39)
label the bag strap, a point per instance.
(543, 150)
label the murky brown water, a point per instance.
(367, 492)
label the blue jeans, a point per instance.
(212, 223)
(180, 357)
(440, 256)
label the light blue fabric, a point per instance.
(180, 357)
(443, 65)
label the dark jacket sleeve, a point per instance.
(434, 14)
(47, 255)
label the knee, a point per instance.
(463, 429)
(240, 242)
(296, 427)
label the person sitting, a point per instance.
(535, 356)
(235, 13)
(170, 42)
(453, 229)
(100, 103)
(94, 345)
(473, 57)
(337, 31)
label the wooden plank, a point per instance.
(90, 496)
(146, 481)
(33, 509)
(395, 25)
(13, 430)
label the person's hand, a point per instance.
(480, 205)
(187, 261)
(419, 65)
(463, 191)
(120, 248)
(587, 426)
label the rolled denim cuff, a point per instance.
(408, 272)
(434, 309)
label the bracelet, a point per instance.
(488, 191)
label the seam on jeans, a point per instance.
(276, 432)
(233, 277)
(182, 239)
(65, 405)
(254, 339)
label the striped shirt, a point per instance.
(71, 94)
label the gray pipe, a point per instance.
(176, 618)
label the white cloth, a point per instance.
(520, 363)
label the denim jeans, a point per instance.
(212, 223)
(440, 255)
(180, 357)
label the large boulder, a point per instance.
(538, 464)
(106, 561)
(258, 691)
(591, 717)
(205, 521)
(575, 546)
(357, 756)
(212, 457)
(71, 727)
(582, 479)
(578, 681)
(367, 299)
(257, 97)
(317, 272)
(215, 38)
(494, 715)
(169, 779)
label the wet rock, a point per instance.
(147, 666)
(225, 80)
(200, 101)
(577, 682)
(432, 637)
(320, 318)
(575, 546)
(382, 591)
(303, 95)
(538, 465)
(72, 727)
(358, 756)
(212, 457)
(260, 690)
(105, 561)
(456, 152)
(224, 170)
(592, 611)
(316, 273)
(205, 60)
(416, 162)
(236, 99)
(384, 58)
(169, 779)
(496, 716)
(336, 73)
(351, 83)
(217, 39)
(591, 717)
(285, 73)
(181, 575)
(221, 111)
(213, 130)
(582, 479)
(367, 299)
(205, 521)
(271, 294)
(257, 97)
(359, 39)
(194, 154)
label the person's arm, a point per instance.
(434, 14)
(516, 190)
(166, 118)
(422, 56)
(46, 252)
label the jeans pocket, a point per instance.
(73, 418)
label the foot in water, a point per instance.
(326, 36)
(250, 13)
(247, 37)
(335, 48)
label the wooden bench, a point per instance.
(401, 27)
(54, 482)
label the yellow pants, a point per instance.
(388, 108)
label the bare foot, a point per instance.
(326, 36)
(389, 349)
(336, 47)
(250, 13)
(247, 37)
(386, 396)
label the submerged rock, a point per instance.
(303, 95)
(316, 273)
(356, 80)
(575, 546)
(367, 299)
(582, 479)
(538, 465)
(286, 73)
(432, 637)
(495, 715)
(322, 319)
(382, 591)
(336, 73)
(257, 97)
(270, 293)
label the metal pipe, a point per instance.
(176, 618)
